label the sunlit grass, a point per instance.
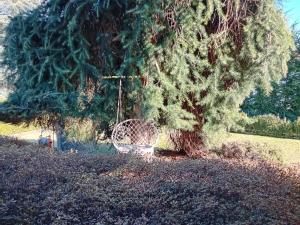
(2, 99)
(10, 129)
(289, 149)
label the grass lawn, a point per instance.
(10, 129)
(289, 149)
(2, 99)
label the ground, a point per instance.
(7, 129)
(38, 186)
(289, 149)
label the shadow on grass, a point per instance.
(42, 187)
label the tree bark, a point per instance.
(58, 132)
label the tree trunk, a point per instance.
(58, 132)
(188, 142)
(94, 132)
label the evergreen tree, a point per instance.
(9, 9)
(187, 64)
(284, 99)
(212, 62)
(58, 56)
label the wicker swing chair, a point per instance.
(134, 135)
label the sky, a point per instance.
(291, 7)
(292, 10)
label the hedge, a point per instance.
(268, 125)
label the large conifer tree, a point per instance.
(187, 64)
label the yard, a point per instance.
(38, 186)
(7, 129)
(288, 149)
(86, 68)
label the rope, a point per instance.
(119, 102)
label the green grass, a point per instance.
(289, 149)
(7, 129)
(10, 129)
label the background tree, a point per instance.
(284, 99)
(187, 64)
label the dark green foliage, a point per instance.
(57, 56)
(258, 103)
(269, 125)
(8, 9)
(201, 73)
(198, 60)
(284, 99)
(38, 187)
(11, 8)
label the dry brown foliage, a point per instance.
(42, 187)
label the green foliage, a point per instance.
(198, 59)
(57, 66)
(84, 131)
(203, 80)
(9, 9)
(270, 125)
(284, 99)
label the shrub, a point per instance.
(247, 150)
(82, 130)
(269, 125)
(41, 187)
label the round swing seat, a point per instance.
(135, 136)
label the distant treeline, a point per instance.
(269, 125)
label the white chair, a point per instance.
(135, 136)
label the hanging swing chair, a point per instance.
(133, 135)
